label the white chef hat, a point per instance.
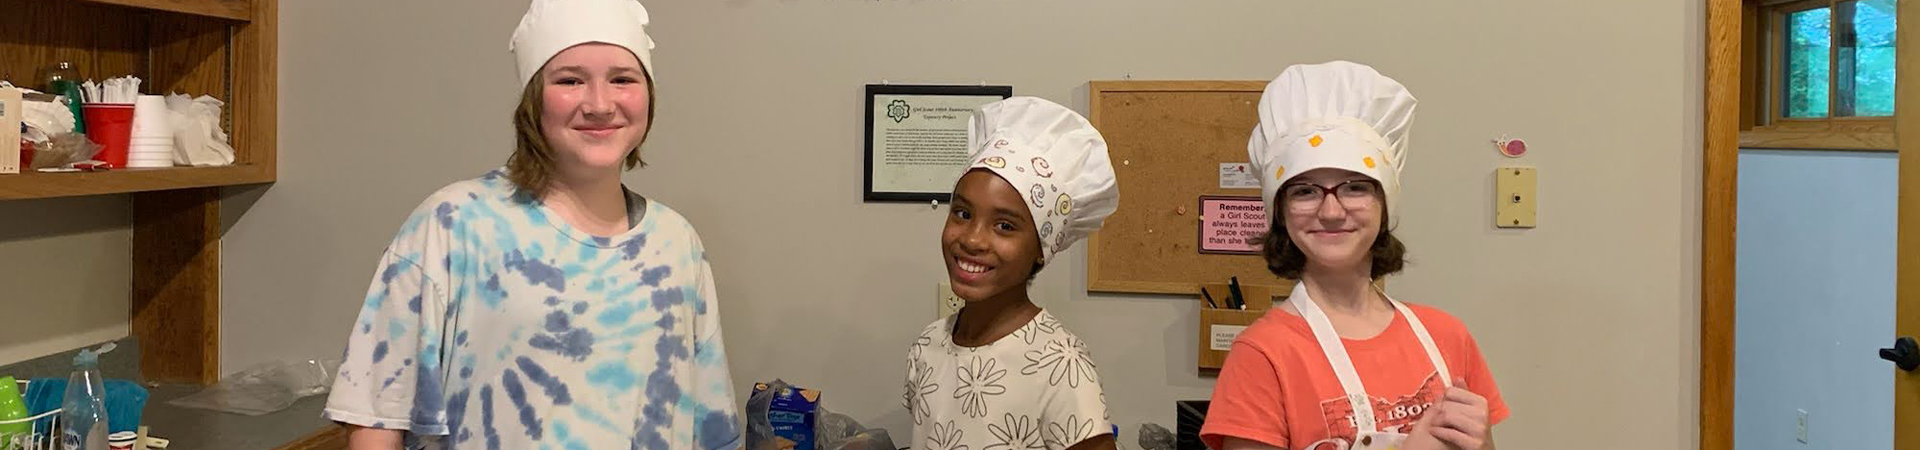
(552, 26)
(1054, 158)
(1338, 114)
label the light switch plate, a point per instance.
(1514, 199)
(948, 302)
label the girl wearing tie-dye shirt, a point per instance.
(543, 305)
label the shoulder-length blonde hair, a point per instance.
(532, 165)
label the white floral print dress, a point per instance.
(1034, 389)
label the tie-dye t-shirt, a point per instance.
(492, 324)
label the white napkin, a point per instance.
(197, 137)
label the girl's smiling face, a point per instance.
(989, 242)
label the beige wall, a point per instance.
(66, 266)
(1588, 321)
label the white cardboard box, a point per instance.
(12, 109)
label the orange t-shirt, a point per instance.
(1278, 388)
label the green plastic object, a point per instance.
(12, 409)
(64, 79)
(71, 90)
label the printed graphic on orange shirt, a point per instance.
(1390, 415)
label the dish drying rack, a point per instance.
(41, 436)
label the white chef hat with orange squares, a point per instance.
(1333, 115)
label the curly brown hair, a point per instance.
(531, 166)
(1287, 261)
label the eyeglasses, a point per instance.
(1354, 195)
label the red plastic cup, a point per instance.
(111, 126)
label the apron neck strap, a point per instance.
(1336, 353)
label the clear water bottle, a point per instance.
(83, 412)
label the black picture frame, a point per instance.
(874, 90)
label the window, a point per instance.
(1823, 66)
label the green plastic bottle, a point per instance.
(64, 79)
(12, 408)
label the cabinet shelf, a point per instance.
(237, 10)
(119, 181)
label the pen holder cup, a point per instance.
(1219, 326)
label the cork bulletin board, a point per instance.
(1173, 144)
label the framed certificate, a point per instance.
(916, 138)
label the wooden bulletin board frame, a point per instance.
(1149, 245)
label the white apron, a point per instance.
(1367, 435)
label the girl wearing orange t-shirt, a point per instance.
(1343, 366)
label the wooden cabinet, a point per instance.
(223, 48)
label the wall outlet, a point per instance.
(948, 302)
(1802, 428)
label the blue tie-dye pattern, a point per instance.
(572, 271)
(537, 272)
(652, 276)
(380, 351)
(706, 356)
(625, 291)
(604, 377)
(392, 270)
(596, 419)
(429, 401)
(467, 363)
(492, 293)
(632, 248)
(486, 419)
(613, 376)
(668, 298)
(391, 378)
(396, 328)
(445, 213)
(375, 300)
(518, 395)
(570, 442)
(699, 304)
(412, 225)
(662, 391)
(536, 217)
(574, 344)
(717, 429)
(555, 389)
(457, 414)
(619, 313)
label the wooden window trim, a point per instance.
(1762, 124)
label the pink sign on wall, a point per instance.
(1232, 225)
